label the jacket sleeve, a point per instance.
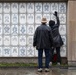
(35, 38)
(58, 21)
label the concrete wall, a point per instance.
(71, 31)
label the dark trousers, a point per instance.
(57, 52)
(47, 58)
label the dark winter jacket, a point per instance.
(55, 31)
(43, 37)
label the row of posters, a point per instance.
(23, 51)
(32, 7)
(15, 30)
(29, 18)
(20, 40)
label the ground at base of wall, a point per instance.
(25, 65)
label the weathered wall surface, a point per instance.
(71, 31)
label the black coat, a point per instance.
(43, 37)
(56, 36)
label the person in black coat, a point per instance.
(42, 41)
(56, 38)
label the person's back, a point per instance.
(43, 41)
(55, 30)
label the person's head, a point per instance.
(51, 23)
(44, 20)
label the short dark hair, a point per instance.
(51, 23)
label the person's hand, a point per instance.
(55, 13)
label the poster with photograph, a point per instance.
(14, 7)
(6, 52)
(14, 51)
(6, 7)
(22, 7)
(22, 51)
(38, 7)
(46, 7)
(14, 40)
(30, 7)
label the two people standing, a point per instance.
(44, 40)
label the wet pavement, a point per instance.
(33, 71)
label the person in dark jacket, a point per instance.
(43, 40)
(56, 38)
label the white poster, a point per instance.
(22, 18)
(0, 7)
(30, 29)
(30, 18)
(6, 7)
(30, 7)
(6, 40)
(14, 7)
(6, 52)
(14, 40)
(22, 7)
(22, 51)
(38, 7)
(14, 51)
(22, 40)
(46, 7)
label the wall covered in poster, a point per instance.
(18, 22)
